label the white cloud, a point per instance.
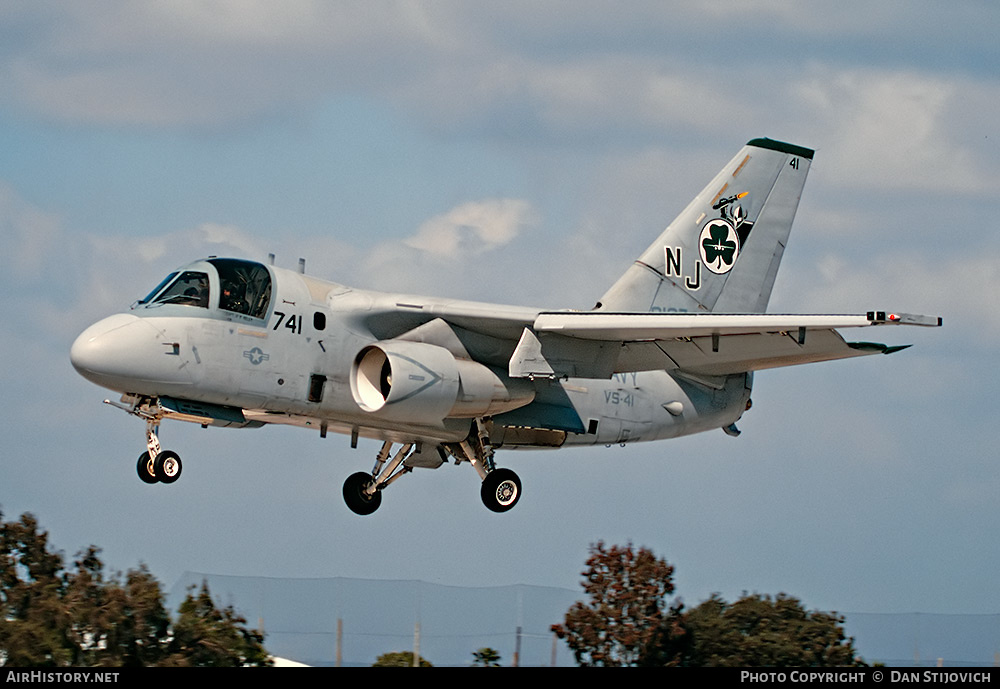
(67, 280)
(230, 237)
(903, 129)
(195, 64)
(572, 65)
(31, 234)
(473, 228)
(958, 288)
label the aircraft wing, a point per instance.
(583, 344)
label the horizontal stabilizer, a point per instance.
(706, 344)
(631, 327)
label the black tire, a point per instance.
(501, 490)
(357, 500)
(145, 469)
(167, 466)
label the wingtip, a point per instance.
(897, 318)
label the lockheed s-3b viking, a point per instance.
(669, 350)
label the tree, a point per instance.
(755, 631)
(627, 606)
(53, 617)
(33, 620)
(628, 621)
(205, 636)
(486, 657)
(399, 659)
(114, 623)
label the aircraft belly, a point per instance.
(651, 405)
(348, 425)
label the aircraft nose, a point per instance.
(122, 351)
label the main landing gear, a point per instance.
(500, 489)
(156, 465)
(361, 493)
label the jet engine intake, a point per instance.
(425, 383)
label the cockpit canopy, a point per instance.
(229, 284)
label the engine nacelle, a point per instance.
(423, 383)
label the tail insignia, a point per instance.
(719, 243)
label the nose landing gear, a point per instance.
(165, 467)
(156, 465)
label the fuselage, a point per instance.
(276, 346)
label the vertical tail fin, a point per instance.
(722, 252)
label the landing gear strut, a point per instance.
(500, 489)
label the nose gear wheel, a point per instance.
(145, 469)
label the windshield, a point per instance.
(156, 290)
(189, 289)
(243, 287)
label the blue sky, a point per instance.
(520, 153)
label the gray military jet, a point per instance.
(669, 350)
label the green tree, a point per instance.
(34, 622)
(755, 631)
(114, 623)
(486, 657)
(628, 621)
(627, 606)
(205, 636)
(53, 617)
(399, 659)
(144, 623)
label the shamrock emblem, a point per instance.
(720, 246)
